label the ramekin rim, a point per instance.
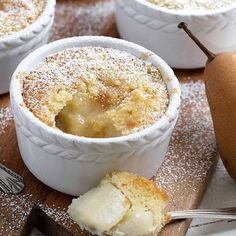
(186, 13)
(173, 106)
(44, 17)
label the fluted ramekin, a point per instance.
(15, 47)
(156, 29)
(73, 164)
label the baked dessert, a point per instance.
(95, 92)
(192, 5)
(15, 15)
(123, 204)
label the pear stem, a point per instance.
(211, 56)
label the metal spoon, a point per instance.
(221, 213)
(10, 182)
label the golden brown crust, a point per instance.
(166, 219)
(26, 12)
(140, 184)
(144, 195)
(122, 93)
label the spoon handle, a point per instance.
(10, 182)
(221, 213)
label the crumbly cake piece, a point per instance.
(95, 92)
(199, 5)
(15, 15)
(134, 207)
(145, 217)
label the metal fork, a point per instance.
(221, 213)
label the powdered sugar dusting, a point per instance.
(15, 15)
(190, 157)
(192, 150)
(193, 5)
(58, 214)
(16, 208)
(128, 93)
(5, 117)
(76, 19)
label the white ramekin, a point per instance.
(15, 47)
(156, 29)
(73, 164)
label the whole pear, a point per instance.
(220, 81)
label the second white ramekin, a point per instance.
(157, 29)
(73, 164)
(15, 47)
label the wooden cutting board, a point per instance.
(184, 174)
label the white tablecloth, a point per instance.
(220, 193)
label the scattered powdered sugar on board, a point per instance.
(5, 117)
(57, 214)
(16, 208)
(77, 19)
(72, 19)
(192, 149)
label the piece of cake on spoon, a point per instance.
(122, 204)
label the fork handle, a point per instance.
(221, 213)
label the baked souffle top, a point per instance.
(193, 5)
(95, 92)
(16, 15)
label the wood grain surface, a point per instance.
(41, 206)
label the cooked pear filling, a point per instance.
(95, 92)
(84, 116)
(101, 208)
(98, 118)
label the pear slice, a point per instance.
(99, 209)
